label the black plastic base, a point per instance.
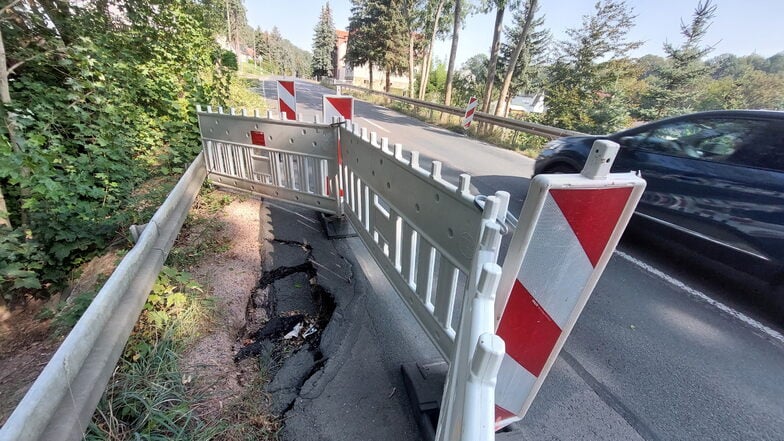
(337, 227)
(425, 386)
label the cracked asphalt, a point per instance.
(647, 360)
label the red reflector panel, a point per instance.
(257, 138)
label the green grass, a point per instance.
(200, 236)
(146, 400)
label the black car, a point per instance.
(717, 177)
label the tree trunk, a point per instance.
(10, 119)
(529, 18)
(370, 65)
(388, 82)
(494, 49)
(426, 61)
(450, 72)
(410, 64)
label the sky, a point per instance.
(740, 27)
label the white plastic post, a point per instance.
(483, 275)
(479, 404)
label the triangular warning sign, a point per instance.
(593, 215)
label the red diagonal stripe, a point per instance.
(470, 112)
(342, 105)
(593, 215)
(502, 414)
(290, 113)
(529, 332)
(288, 85)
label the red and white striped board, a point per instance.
(287, 99)
(338, 106)
(568, 230)
(469, 114)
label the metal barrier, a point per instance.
(61, 402)
(500, 121)
(435, 245)
(290, 160)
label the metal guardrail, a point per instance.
(508, 123)
(61, 402)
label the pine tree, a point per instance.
(324, 41)
(675, 90)
(364, 36)
(583, 78)
(392, 24)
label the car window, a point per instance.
(765, 151)
(712, 139)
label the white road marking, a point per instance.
(374, 124)
(702, 296)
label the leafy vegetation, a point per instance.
(147, 400)
(101, 99)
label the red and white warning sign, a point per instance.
(469, 114)
(287, 99)
(338, 105)
(568, 230)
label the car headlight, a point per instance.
(551, 148)
(555, 144)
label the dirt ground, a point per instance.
(27, 341)
(234, 273)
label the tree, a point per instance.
(450, 71)
(471, 78)
(674, 91)
(364, 35)
(495, 47)
(122, 79)
(529, 67)
(524, 45)
(392, 24)
(584, 77)
(414, 15)
(434, 27)
(324, 42)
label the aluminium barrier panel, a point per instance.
(293, 161)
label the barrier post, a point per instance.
(485, 275)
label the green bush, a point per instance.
(110, 108)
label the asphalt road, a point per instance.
(666, 344)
